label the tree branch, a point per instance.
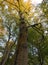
(37, 29)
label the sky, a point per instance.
(35, 2)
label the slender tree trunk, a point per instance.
(21, 57)
(41, 62)
(6, 53)
(40, 58)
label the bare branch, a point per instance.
(33, 25)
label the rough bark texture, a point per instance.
(22, 50)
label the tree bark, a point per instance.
(21, 57)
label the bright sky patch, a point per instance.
(35, 2)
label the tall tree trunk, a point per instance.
(21, 57)
(6, 53)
